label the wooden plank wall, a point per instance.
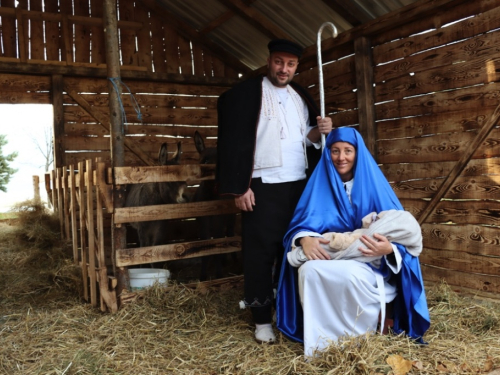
(168, 113)
(436, 84)
(71, 34)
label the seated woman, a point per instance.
(326, 298)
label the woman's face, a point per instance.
(343, 155)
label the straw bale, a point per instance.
(182, 330)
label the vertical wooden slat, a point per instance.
(36, 33)
(66, 31)
(97, 52)
(58, 111)
(185, 56)
(49, 189)
(9, 31)
(158, 45)
(36, 189)
(22, 34)
(82, 32)
(143, 37)
(171, 49)
(365, 94)
(74, 231)
(60, 202)
(100, 187)
(83, 238)
(52, 32)
(101, 261)
(66, 199)
(207, 64)
(53, 179)
(89, 183)
(198, 61)
(67, 38)
(127, 36)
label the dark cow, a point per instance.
(211, 226)
(153, 233)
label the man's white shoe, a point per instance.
(264, 334)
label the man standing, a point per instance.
(264, 127)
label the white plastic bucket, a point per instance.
(141, 278)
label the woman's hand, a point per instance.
(377, 246)
(312, 248)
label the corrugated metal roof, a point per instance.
(240, 26)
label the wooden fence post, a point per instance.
(36, 189)
(118, 235)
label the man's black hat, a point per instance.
(283, 45)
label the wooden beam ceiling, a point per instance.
(349, 10)
(257, 19)
(215, 23)
(190, 33)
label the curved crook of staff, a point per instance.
(320, 70)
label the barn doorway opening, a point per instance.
(28, 131)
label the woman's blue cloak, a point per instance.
(325, 207)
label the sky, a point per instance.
(24, 125)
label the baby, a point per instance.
(397, 225)
(340, 241)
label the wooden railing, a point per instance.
(82, 197)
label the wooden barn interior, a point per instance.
(419, 80)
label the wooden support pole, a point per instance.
(118, 235)
(364, 83)
(58, 111)
(113, 68)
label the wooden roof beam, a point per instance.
(257, 19)
(80, 70)
(349, 10)
(190, 33)
(215, 23)
(386, 22)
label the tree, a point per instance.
(5, 171)
(46, 148)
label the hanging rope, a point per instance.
(116, 81)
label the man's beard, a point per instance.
(274, 80)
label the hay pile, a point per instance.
(36, 265)
(45, 329)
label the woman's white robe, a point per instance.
(357, 294)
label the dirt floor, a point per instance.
(45, 328)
